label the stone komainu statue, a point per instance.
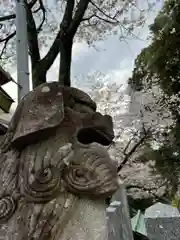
(54, 172)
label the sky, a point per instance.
(114, 58)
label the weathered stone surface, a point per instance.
(3, 126)
(162, 222)
(118, 217)
(54, 178)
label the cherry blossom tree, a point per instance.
(53, 27)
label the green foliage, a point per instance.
(159, 63)
(176, 201)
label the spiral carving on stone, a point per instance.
(80, 180)
(91, 173)
(44, 187)
(7, 208)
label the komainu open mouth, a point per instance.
(94, 134)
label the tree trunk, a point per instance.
(65, 61)
(38, 75)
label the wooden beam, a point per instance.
(5, 77)
(5, 101)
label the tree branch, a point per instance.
(66, 47)
(5, 45)
(6, 40)
(78, 16)
(13, 16)
(8, 17)
(67, 18)
(54, 50)
(127, 146)
(107, 20)
(141, 187)
(41, 7)
(89, 18)
(106, 15)
(32, 3)
(32, 37)
(8, 37)
(134, 148)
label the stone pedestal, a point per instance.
(118, 218)
(162, 222)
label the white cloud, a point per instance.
(79, 49)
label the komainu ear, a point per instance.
(39, 113)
